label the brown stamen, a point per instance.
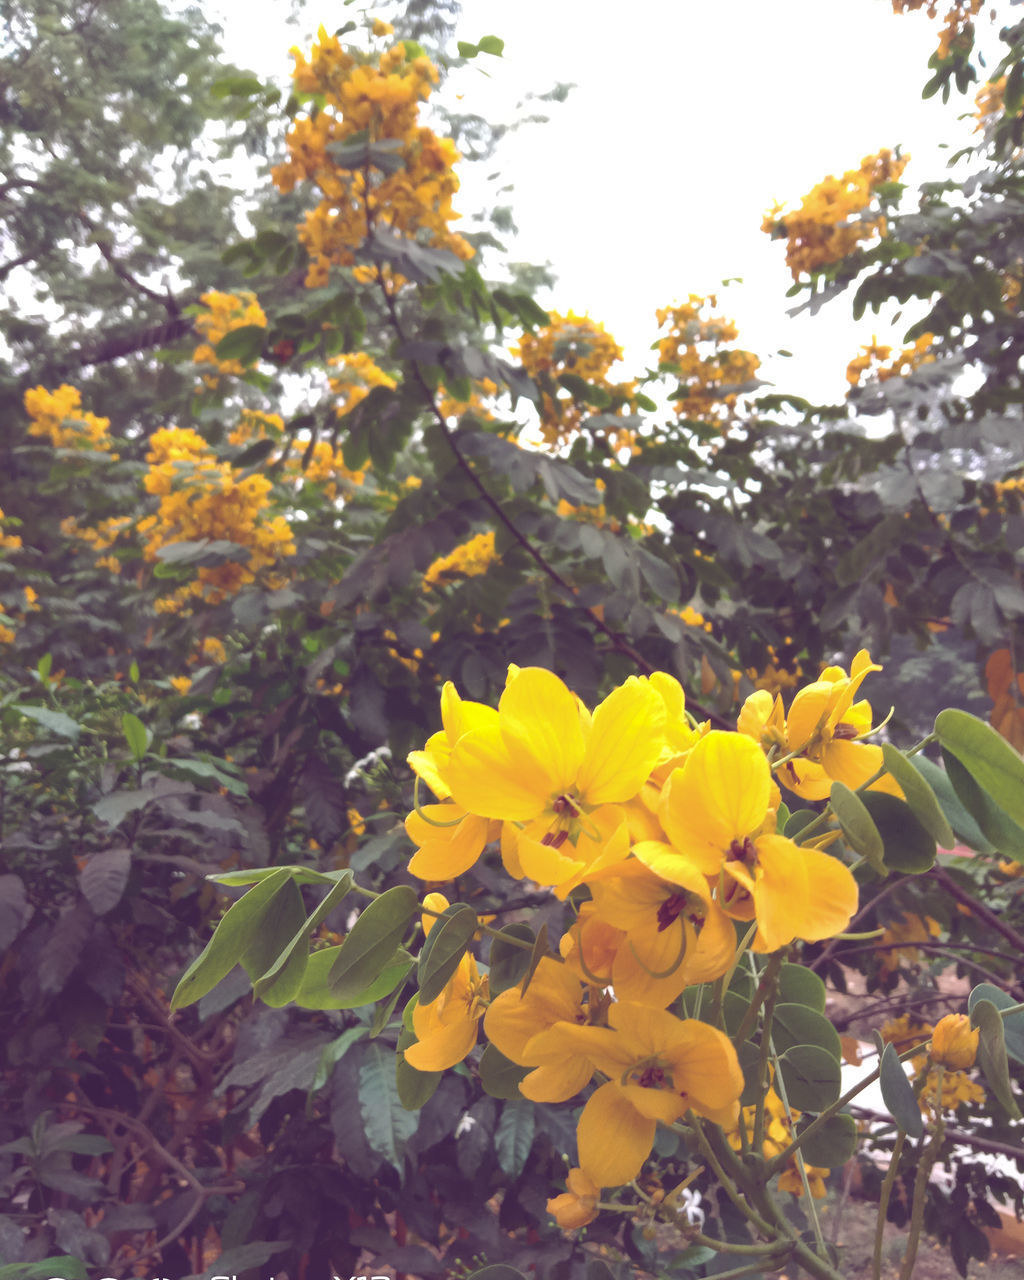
(670, 909)
(554, 839)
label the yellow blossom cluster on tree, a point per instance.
(712, 374)
(467, 560)
(953, 1048)
(878, 359)
(778, 1131)
(359, 140)
(58, 416)
(956, 20)
(564, 355)
(353, 376)
(224, 312)
(672, 827)
(835, 216)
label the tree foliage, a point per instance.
(271, 501)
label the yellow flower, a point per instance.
(954, 1043)
(181, 684)
(514, 1023)
(446, 1028)
(790, 1180)
(577, 1206)
(659, 1068)
(548, 760)
(715, 811)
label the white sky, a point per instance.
(690, 118)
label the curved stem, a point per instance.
(883, 1203)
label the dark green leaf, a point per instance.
(964, 826)
(281, 981)
(811, 1076)
(56, 721)
(387, 1124)
(499, 1076)
(136, 735)
(316, 991)
(513, 1137)
(795, 1024)
(244, 344)
(992, 1055)
(919, 795)
(1013, 1026)
(444, 948)
(857, 825)
(798, 985)
(898, 1093)
(989, 758)
(1004, 834)
(372, 941)
(831, 1145)
(104, 877)
(908, 847)
(508, 962)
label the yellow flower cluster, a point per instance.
(673, 829)
(578, 346)
(355, 376)
(953, 1047)
(224, 313)
(990, 101)
(832, 219)
(878, 359)
(696, 350)
(907, 931)
(58, 416)
(354, 99)
(323, 464)
(957, 19)
(202, 497)
(8, 541)
(468, 560)
(775, 677)
(479, 402)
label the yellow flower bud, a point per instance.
(577, 1206)
(954, 1044)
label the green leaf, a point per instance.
(857, 825)
(908, 847)
(919, 795)
(749, 1055)
(281, 982)
(989, 758)
(136, 735)
(230, 940)
(964, 826)
(508, 963)
(898, 1093)
(333, 1053)
(56, 721)
(278, 922)
(414, 1087)
(244, 343)
(372, 941)
(831, 1145)
(444, 948)
(499, 1076)
(799, 985)
(387, 1124)
(992, 1055)
(1002, 831)
(811, 1076)
(301, 875)
(795, 1024)
(316, 991)
(46, 1268)
(493, 45)
(1013, 1026)
(540, 950)
(514, 1135)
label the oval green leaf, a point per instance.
(230, 940)
(898, 1093)
(316, 991)
(831, 1145)
(964, 826)
(499, 1075)
(1005, 835)
(992, 1055)
(509, 962)
(372, 942)
(1013, 1026)
(795, 1024)
(989, 758)
(270, 986)
(811, 1076)
(285, 915)
(799, 985)
(919, 795)
(444, 948)
(857, 825)
(908, 846)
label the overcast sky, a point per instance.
(690, 118)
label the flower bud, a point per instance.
(954, 1044)
(577, 1206)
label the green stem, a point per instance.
(780, 1085)
(728, 1186)
(883, 1203)
(924, 1168)
(763, 1081)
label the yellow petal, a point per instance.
(624, 744)
(705, 1067)
(721, 794)
(614, 1139)
(444, 852)
(554, 995)
(545, 864)
(654, 1104)
(484, 779)
(557, 1081)
(540, 724)
(443, 1047)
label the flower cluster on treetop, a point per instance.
(711, 374)
(672, 827)
(834, 218)
(224, 312)
(404, 178)
(878, 359)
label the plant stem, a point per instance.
(883, 1203)
(924, 1168)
